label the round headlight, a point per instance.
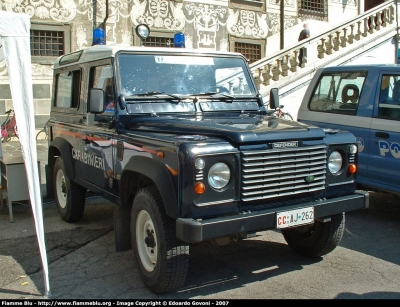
(335, 162)
(219, 175)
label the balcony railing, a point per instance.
(380, 20)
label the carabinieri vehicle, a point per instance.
(180, 140)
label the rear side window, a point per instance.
(338, 93)
(68, 89)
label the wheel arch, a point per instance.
(158, 174)
(60, 147)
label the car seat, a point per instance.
(350, 92)
(396, 92)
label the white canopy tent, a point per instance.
(15, 50)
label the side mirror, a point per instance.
(96, 101)
(121, 101)
(274, 98)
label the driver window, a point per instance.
(109, 95)
(389, 97)
(102, 77)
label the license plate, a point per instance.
(296, 217)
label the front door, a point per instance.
(384, 154)
(99, 134)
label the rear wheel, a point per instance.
(318, 239)
(163, 260)
(69, 196)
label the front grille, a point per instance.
(276, 173)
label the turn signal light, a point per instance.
(352, 168)
(199, 188)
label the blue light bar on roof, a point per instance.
(179, 40)
(98, 37)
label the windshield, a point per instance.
(183, 75)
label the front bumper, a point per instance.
(194, 231)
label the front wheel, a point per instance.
(163, 260)
(69, 196)
(318, 239)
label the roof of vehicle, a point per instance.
(369, 67)
(97, 52)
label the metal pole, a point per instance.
(397, 37)
(94, 14)
(103, 24)
(282, 19)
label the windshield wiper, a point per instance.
(214, 95)
(154, 93)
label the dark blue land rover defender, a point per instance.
(181, 141)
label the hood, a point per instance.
(243, 128)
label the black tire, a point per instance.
(69, 196)
(318, 239)
(287, 116)
(163, 259)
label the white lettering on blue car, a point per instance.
(385, 147)
(89, 159)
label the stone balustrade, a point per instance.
(271, 69)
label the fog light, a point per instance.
(143, 31)
(199, 164)
(352, 149)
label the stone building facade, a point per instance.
(252, 27)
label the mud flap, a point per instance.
(122, 218)
(49, 182)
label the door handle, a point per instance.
(383, 135)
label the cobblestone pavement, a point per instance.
(19, 250)
(83, 263)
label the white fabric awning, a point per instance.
(15, 49)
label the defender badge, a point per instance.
(285, 144)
